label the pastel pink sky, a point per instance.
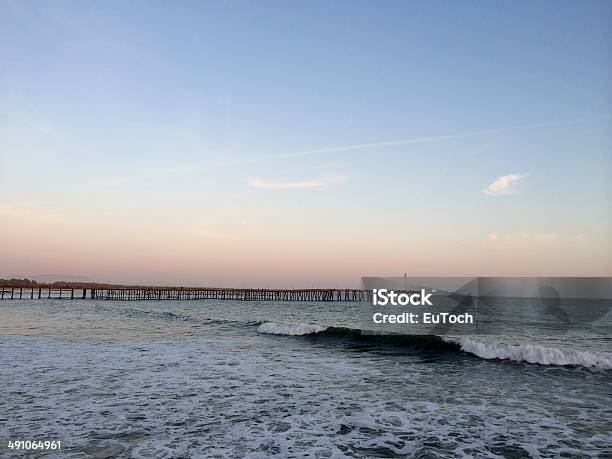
(183, 251)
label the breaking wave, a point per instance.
(274, 328)
(533, 353)
(485, 349)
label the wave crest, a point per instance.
(275, 328)
(484, 349)
(533, 353)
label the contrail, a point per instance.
(390, 143)
(424, 139)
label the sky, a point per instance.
(305, 143)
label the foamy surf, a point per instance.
(299, 329)
(533, 353)
(341, 390)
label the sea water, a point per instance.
(260, 379)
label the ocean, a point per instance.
(190, 379)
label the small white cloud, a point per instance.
(316, 183)
(504, 185)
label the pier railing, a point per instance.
(182, 293)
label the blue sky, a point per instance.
(297, 123)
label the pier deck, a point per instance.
(181, 293)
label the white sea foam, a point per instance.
(274, 328)
(248, 396)
(533, 353)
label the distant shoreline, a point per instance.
(27, 283)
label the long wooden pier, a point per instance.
(181, 293)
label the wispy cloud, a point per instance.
(504, 185)
(316, 183)
(109, 182)
(32, 210)
(528, 240)
(33, 124)
(524, 240)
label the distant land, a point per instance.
(51, 278)
(26, 282)
(70, 282)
